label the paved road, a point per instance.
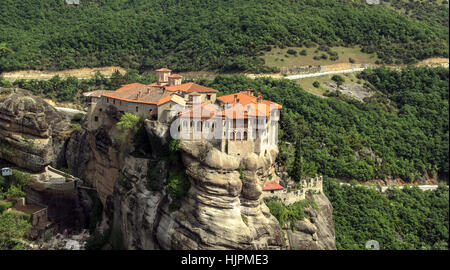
(69, 110)
(300, 76)
(384, 188)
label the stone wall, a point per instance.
(240, 147)
(313, 185)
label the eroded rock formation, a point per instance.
(28, 128)
(223, 209)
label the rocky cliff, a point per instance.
(223, 208)
(29, 129)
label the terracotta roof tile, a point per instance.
(271, 185)
(190, 87)
(174, 98)
(138, 93)
(164, 69)
(245, 99)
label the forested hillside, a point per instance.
(207, 35)
(399, 219)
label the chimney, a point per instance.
(235, 98)
(259, 98)
(250, 92)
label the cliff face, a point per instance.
(316, 230)
(223, 208)
(28, 128)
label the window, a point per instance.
(100, 109)
(114, 101)
(137, 108)
(96, 119)
(107, 100)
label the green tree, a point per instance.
(13, 227)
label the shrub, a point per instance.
(338, 79)
(316, 84)
(292, 52)
(77, 117)
(13, 227)
(177, 187)
(174, 145)
(351, 60)
(241, 173)
(303, 52)
(14, 192)
(76, 126)
(5, 206)
(284, 214)
(128, 123)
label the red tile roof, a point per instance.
(174, 98)
(245, 99)
(164, 69)
(207, 110)
(128, 86)
(190, 87)
(270, 185)
(138, 93)
(175, 76)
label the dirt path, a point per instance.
(84, 73)
(384, 188)
(81, 73)
(338, 68)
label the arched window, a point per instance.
(245, 135)
(199, 125)
(238, 135)
(213, 126)
(192, 123)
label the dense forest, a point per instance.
(209, 35)
(398, 219)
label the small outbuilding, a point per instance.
(73, 2)
(272, 187)
(6, 171)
